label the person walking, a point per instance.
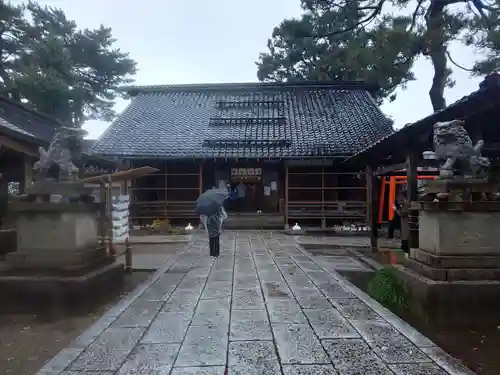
(210, 207)
(402, 211)
(213, 226)
(395, 223)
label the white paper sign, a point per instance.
(267, 190)
(274, 186)
(120, 217)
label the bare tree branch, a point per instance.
(415, 14)
(448, 54)
(376, 10)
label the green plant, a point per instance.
(388, 289)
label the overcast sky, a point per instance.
(212, 41)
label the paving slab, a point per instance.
(139, 314)
(250, 325)
(150, 359)
(168, 327)
(329, 323)
(204, 346)
(209, 370)
(297, 343)
(109, 351)
(249, 298)
(212, 312)
(309, 370)
(265, 306)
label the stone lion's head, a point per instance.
(449, 130)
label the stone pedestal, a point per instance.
(460, 232)
(55, 235)
(58, 256)
(458, 262)
(460, 245)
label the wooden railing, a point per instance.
(329, 210)
(162, 210)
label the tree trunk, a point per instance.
(437, 51)
(436, 93)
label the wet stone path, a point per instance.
(263, 307)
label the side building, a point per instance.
(279, 145)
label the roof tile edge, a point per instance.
(342, 85)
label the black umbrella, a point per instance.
(210, 202)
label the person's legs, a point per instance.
(405, 246)
(390, 232)
(211, 245)
(394, 224)
(217, 246)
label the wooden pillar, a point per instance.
(412, 196)
(128, 256)
(201, 178)
(103, 225)
(109, 214)
(28, 172)
(371, 203)
(286, 197)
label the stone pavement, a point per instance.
(264, 306)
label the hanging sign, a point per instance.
(246, 174)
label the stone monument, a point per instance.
(459, 214)
(57, 225)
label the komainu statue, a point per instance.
(57, 162)
(461, 159)
(56, 177)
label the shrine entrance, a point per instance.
(246, 190)
(255, 187)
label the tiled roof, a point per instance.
(487, 95)
(9, 126)
(87, 145)
(25, 121)
(245, 120)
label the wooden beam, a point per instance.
(19, 147)
(389, 168)
(371, 203)
(421, 163)
(131, 174)
(412, 196)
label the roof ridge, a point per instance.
(345, 85)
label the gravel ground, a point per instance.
(29, 340)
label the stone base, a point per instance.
(82, 286)
(429, 294)
(56, 258)
(55, 235)
(455, 261)
(459, 233)
(452, 274)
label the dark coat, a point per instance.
(403, 214)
